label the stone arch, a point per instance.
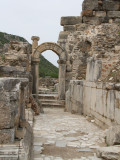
(51, 46)
(36, 51)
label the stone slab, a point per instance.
(70, 20)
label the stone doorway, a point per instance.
(39, 49)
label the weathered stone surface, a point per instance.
(70, 28)
(70, 20)
(93, 70)
(9, 89)
(100, 13)
(90, 5)
(34, 105)
(113, 14)
(117, 86)
(61, 129)
(18, 54)
(109, 153)
(111, 5)
(95, 100)
(95, 20)
(87, 13)
(7, 136)
(63, 35)
(113, 136)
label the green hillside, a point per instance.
(6, 38)
(45, 68)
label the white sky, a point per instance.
(41, 18)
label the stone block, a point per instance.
(104, 98)
(117, 99)
(70, 28)
(93, 99)
(87, 13)
(82, 27)
(87, 100)
(111, 5)
(113, 14)
(95, 20)
(93, 72)
(63, 35)
(7, 115)
(117, 86)
(111, 104)
(100, 13)
(109, 153)
(117, 115)
(90, 5)
(9, 84)
(70, 20)
(19, 133)
(113, 136)
(117, 48)
(7, 136)
(99, 104)
(91, 20)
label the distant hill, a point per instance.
(45, 67)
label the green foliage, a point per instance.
(6, 38)
(47, 69)
(3, 40)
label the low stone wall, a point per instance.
(98, 100)
(14, 124)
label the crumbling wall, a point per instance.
(95, 33)
(16, 109)
(14, 127)
(101, 11)
(92, 42)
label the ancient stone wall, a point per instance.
(92, 42)
(93, 34)
(17, 110)
(100, 101)
(14, 125)
(19, 55)
(101, 11)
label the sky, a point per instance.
(27, 18)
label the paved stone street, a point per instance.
(61, 135)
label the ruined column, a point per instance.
(35, 65)
(35, 73)
(62, 72)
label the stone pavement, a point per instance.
(60, 135)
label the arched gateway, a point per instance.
(36, 51)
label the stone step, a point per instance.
(48, 96)
(50, 101)
(52, 105)
(9, 151)
(47, 92)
